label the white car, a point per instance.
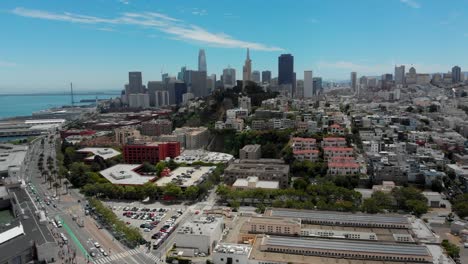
(101, 250)
(96, 244)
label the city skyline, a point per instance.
(95, 46)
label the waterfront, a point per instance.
(25, 105)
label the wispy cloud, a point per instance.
(125, 2)
(312, 20)
(7, 64)
(175, 28)
(108, 29)
(199, 12)
(411, 3)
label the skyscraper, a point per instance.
(256, 76)
(247, 70)
(285, 69)
(229, 77)
(266, 76)
(317, 83)
(181, 74)
(154, 86)
(400, 74)
(135, 83)
(196, 83)
(353, 81)
(456, 74)
(201, 60)
(308, 84)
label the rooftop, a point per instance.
(344, 245)
(336, 216)
(251, 148)
(253, 182)
(186, 176)
(190, 156)
(11, 156)
(237, 249)
(201, 226)
(125, 174)
(105, 153)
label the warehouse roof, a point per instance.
(337, 216)
(330, 244)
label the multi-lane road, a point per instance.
(69, 208)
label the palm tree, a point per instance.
(50, 179)
(56, 186)
(45, 174)
(60, 177)
(66, 183)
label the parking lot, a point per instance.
(155, 222)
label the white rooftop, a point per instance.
(105, 153)
(237, 249)
(186, 176)
(11, 233)
(124, 174)
(190, 156)
(254, 182)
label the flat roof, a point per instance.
(336, 216)
(186, 176)
(105, 153)
(11, 156)
(32, 229)
(190, 156)
(244, 182)
(124, 174)
(343, 245)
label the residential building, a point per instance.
(336, 129)
(161, 98)
(245, 103)
(308, 154)
(299, 143)
(253, 152)
(317, 84)
(334, 142)
(331, 152)
(154, 86)
(156, 127)
(125, 134)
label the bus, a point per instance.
(64, 238)
(58, 221)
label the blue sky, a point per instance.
(46, 44)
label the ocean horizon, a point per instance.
(14, 105)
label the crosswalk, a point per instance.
(117, 256)
(152, 256)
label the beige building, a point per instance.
(253, 152)
(264, 169)
(268, 226)
(124, 134)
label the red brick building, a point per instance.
(152, 152)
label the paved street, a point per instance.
(82, 239)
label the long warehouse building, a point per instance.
(342, 219)
(345, 249)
